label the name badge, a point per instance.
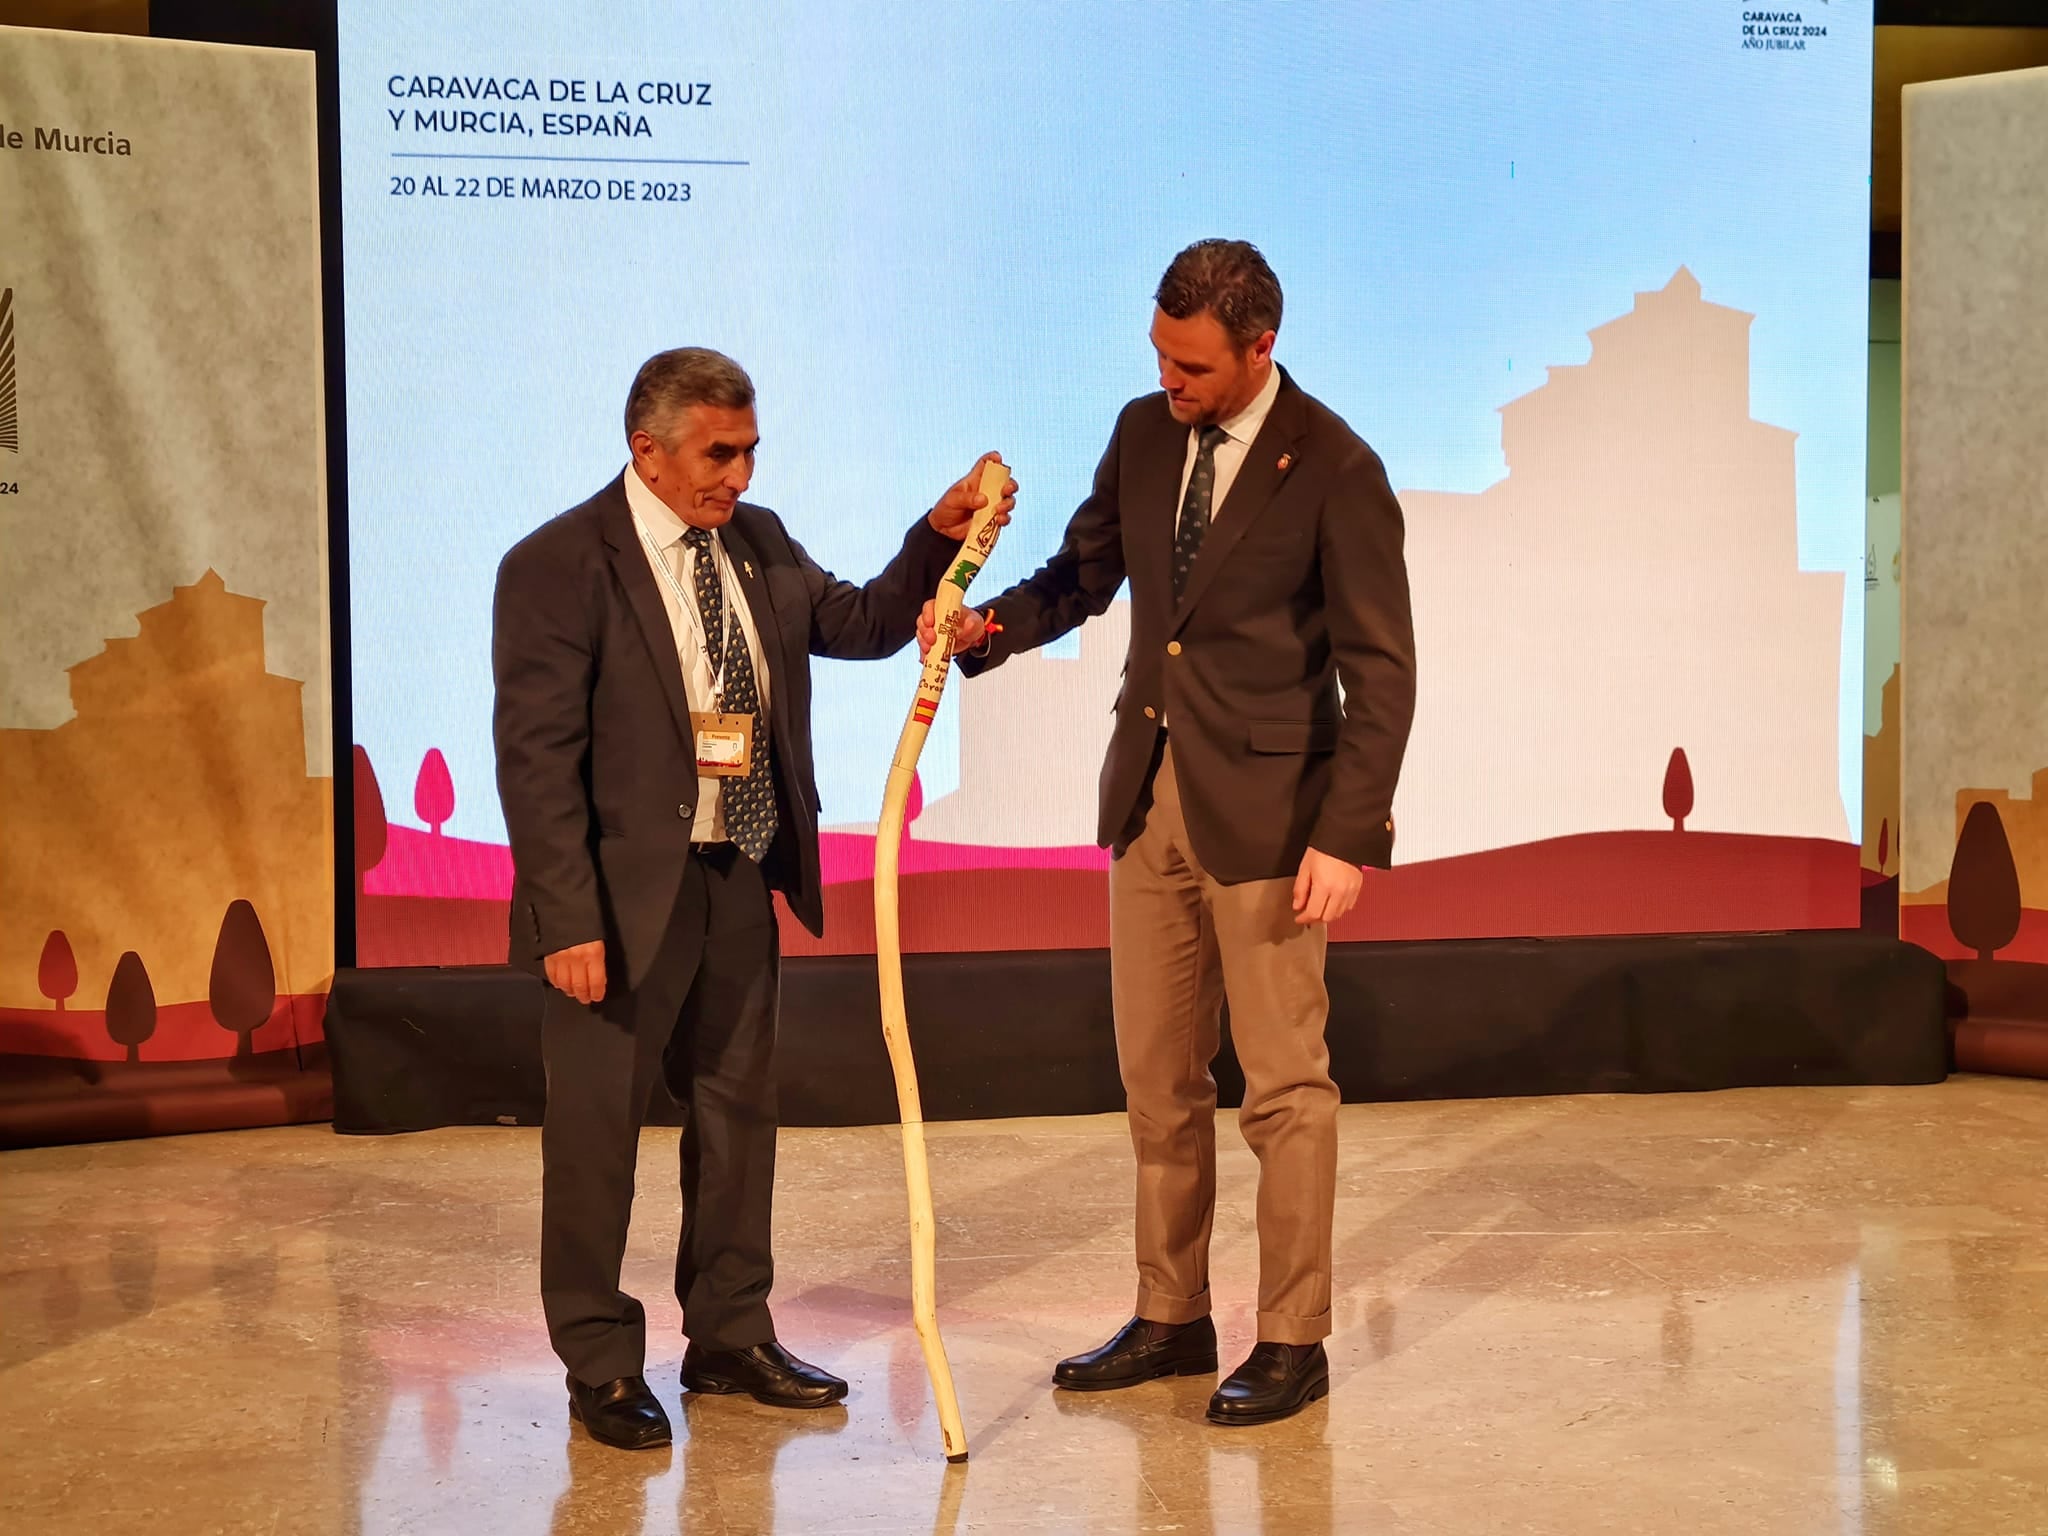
(725, 744)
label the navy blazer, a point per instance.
(1300, 588)
(596, 764)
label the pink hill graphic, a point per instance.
(430, 899)
(419, 864)
(1627, 721)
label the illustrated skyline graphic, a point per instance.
(1620, 620)
(1631, 585)
(113, 843)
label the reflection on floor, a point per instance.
(1781, 1311)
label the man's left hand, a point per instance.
(1326, 888)
(969, 629)
(956, 509)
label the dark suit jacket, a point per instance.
(1299, 587)
(596, 766)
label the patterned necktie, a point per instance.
(748, 803)
(1194, 508)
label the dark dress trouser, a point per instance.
(703, 1018)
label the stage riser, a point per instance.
(1029, 1033)
(2016, 1048)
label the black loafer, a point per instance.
(623, 1413)
(767, 1373)
(1277, 1382)
(1141, 1351)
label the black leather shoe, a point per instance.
(623, 1413)
(1141, 1351)
(767, 1373)
(1277, 1382)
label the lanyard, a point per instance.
(688, 604)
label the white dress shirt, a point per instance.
(656, 524)
(1239, 431)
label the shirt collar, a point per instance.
(1244, 426)
(651, 512)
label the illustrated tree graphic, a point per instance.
(57, 971)
(242, 990)
(1983, 884)
(1678, 789)
(433, 792)
(373, 833)
(131, 1005)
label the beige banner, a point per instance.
(1974, 669)
(166, 847)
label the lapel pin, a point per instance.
(1286, 463)
(748, 567)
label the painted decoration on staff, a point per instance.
(931, 688)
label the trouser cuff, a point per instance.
(744, 1332)
(1285, 1328)
(1157, 1307)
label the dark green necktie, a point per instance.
(1195, 508)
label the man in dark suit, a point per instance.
(1241, 795)
(653, 727)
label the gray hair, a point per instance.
(670, 382)
(1228, 278)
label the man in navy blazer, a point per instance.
(1249, 781)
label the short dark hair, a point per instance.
(1228, 278)
(670, 382)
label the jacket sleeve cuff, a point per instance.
(931, 548)
(563, 928)
(1371, 847)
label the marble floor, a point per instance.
(1778, 1311)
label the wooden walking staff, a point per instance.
(931, 687)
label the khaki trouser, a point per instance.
(1180, 942)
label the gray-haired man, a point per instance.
(652, 655)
